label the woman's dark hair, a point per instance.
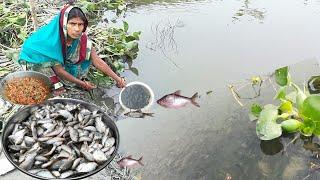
(77, 12)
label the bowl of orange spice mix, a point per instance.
(26, 87)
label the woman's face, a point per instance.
(75, 27)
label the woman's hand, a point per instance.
(121, 82)
(87, 85)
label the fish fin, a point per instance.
(139, 161)
(149, 114)
(120, 164)
(177, 92)
(193, 100)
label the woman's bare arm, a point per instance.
(104, 67)
(62, 73)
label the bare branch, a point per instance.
(33, 14)
(236, 97)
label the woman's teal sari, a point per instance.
(46, 48)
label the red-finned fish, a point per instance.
(175, 100)
(129, 162)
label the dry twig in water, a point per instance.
(235, 95)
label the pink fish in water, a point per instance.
(175, 100)
(130, 162)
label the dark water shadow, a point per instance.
(271, 147)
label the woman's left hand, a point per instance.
(121, 83)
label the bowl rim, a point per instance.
(142, 84)
(29, 73)
(100, 167)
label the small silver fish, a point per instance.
(66, 148)
(66, 114)
(76, 163)
(56, 173)
(87, 167)
(66, 165)
(41, 158)
(129, 162)
(74, 135)
(45, 173)
(66, 174)
(175, 100)
(87, 155)
(110, 151)
(28, 162)
(138, 114)
(99, 156)
(109, 142)
(18, 137)
(100, 126)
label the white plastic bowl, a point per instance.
(145, 86)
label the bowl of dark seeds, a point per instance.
(60, 139)
(136, 96)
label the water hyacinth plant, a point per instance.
(13, 24)
(120, 49)
(97, 8)
(298, 111)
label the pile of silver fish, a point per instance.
(61, 140)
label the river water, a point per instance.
(202, 46)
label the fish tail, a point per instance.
(139, 161)
(193, 100)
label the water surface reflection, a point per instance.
(213, 50)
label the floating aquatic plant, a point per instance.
(298, 111)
